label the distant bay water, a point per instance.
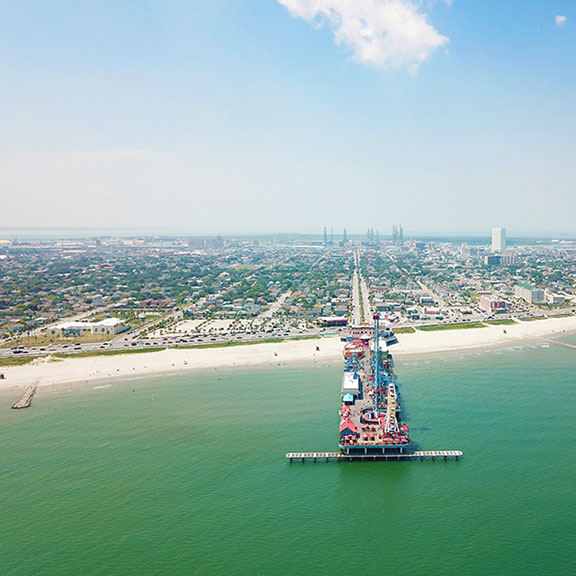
(186, 474)
(46, 233)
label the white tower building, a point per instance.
(498, 239)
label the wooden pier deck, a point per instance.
(26, 398)
(339, 456)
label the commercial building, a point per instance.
(351, 383)
(388, 306)
(431, 311)
(505, 259)
(508, 259)
(467, 251)
(106, 326)
(492, 260)
(333, 320)
(529, 293)
(498, 239)
(493, 304)
(554, 299)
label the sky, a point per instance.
(258, 116)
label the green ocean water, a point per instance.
(186, 474)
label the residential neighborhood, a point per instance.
(220, 289)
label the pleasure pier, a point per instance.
(371, 425)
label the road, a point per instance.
(355, 299)
(361, 309)
(125, 343)
(275, 306)
(367, 309)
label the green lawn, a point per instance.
(407, 330)
(462, 326)
(247, 342)
(108, 353)
(16, 360)
(507, 321)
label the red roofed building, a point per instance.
(348, 428)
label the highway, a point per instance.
(125, 342)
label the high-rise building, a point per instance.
(529, 293)
(498, 239)
(397, 234)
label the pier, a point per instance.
(370, 416)
(340, 456)
(26, 398)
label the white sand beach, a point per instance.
(71, 370)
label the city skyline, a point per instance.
(242, 117)
(16, 233)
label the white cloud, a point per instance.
(560, 20)
(385, 33)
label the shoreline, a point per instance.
(98, 369)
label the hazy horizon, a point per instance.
(68, 232)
